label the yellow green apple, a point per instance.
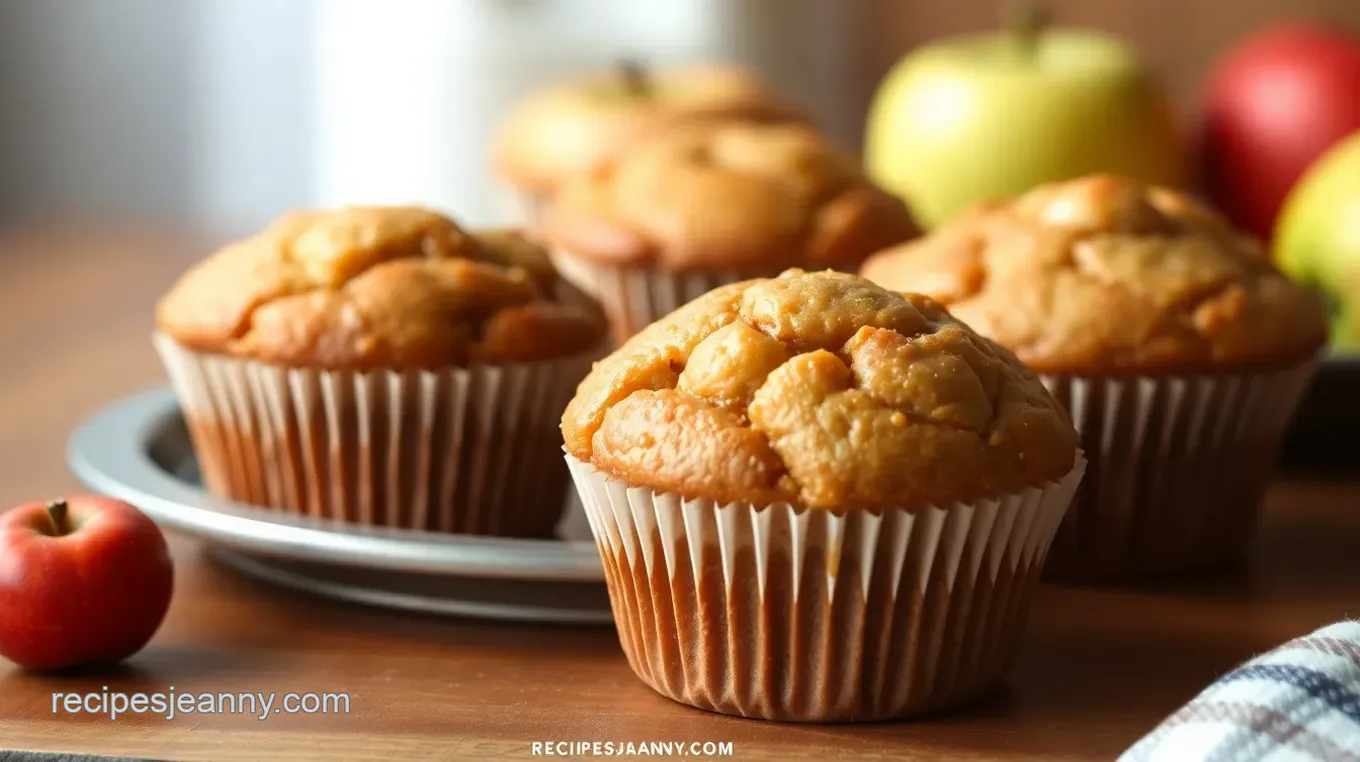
(1317, 238)
(992, 115)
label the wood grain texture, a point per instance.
(1098, 668)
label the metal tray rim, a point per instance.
(108, 453)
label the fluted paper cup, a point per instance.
(472, 450)
(1177, 469)
(635, 297)
(805, 615)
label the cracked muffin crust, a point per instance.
(573, 127)
(727, 196)
(1104, 276)
(822, 390)
(364, 288)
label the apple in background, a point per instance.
(85, 580)
(1273, 106)
(1317, 241)
(993, 115)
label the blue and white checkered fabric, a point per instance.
(1297, 703)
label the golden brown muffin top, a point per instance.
(1105, 276)
(728, 196)
(574, 126)
(822, 390)
(369, 288)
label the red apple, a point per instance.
(85, 580)
(1274, 105)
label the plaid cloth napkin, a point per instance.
(1297, 703)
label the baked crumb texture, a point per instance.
(575, 126)
(1107, 276)
(732, 196)
(369, 288)
(821, 390)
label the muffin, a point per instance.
(381, 366)
(818, 500)
(574, 126)
(696, 207)
(1176, 345)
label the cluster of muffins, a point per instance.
(817, 495)
(650, 195)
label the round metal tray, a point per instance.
(138, 450)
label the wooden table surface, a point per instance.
(1098, 667)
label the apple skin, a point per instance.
(1275, 104)
(1317, 241)
(94, 595)
(973, 118)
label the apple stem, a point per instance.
(637, 80)
(1026, 19)
(56, 514)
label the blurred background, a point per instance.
(226, 111)
(216, 114)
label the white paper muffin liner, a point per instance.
(471, 450)
(1177, 469)
(635, 297)
(771, 612)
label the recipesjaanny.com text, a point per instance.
(631, 748)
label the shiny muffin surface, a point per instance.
(367, 288)
(574, 126)
(1106, 276)
(728, 196)
(822, 390)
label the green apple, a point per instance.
(1317, 238)
(992, 115)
